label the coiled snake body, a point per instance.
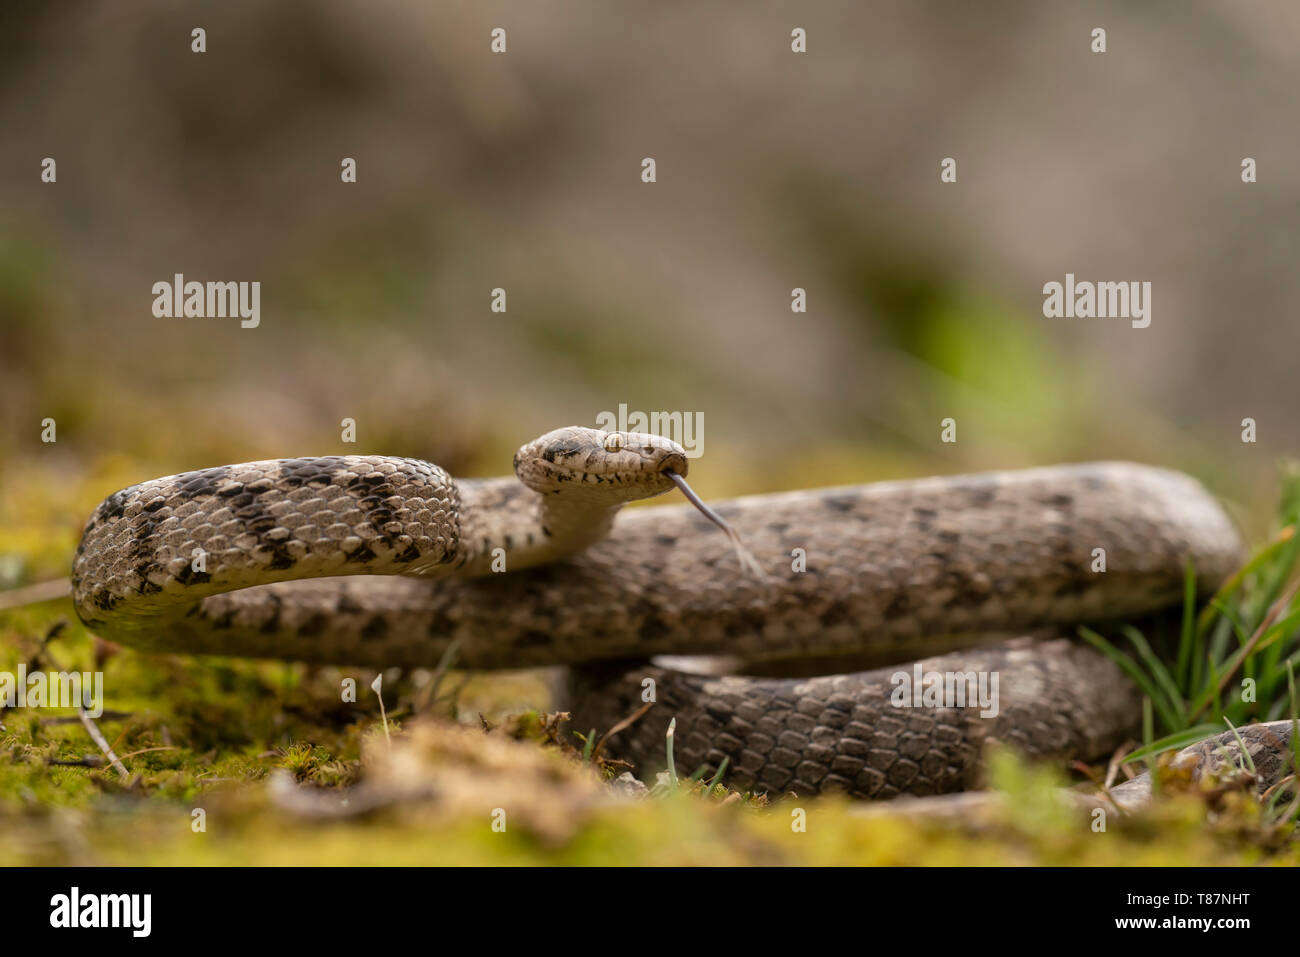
(380, 561)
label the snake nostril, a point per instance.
(674, 462)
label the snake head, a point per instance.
(620, 466)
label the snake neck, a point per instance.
(506, 526)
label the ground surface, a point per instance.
(237, 762)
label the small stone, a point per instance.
(625, 785)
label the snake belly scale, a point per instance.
(379, 561)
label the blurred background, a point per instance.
(522, 171)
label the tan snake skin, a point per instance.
(893, 570)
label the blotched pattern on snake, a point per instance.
(380, 561)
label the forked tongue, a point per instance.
(743, 554)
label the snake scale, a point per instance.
(381, 561)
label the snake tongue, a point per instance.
(743, 554)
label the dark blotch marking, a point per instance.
(114, 505)
(653, 628)
(837, 613)
(259, 524)
(272, 623)
(188, 576)
(555, 452)
(898, 606)
(840, 503)
(439, 626)
(281, 557)
(736, 629)
(512, 492)
(533, 638)
(202, 482)
(1076, 580)
(361, 554)
(967, 592)
(104, 600)
(376, 627)
(371, 484)
(143, 547)
(296, 473)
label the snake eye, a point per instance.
(614, 442)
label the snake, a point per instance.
(943, 582)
